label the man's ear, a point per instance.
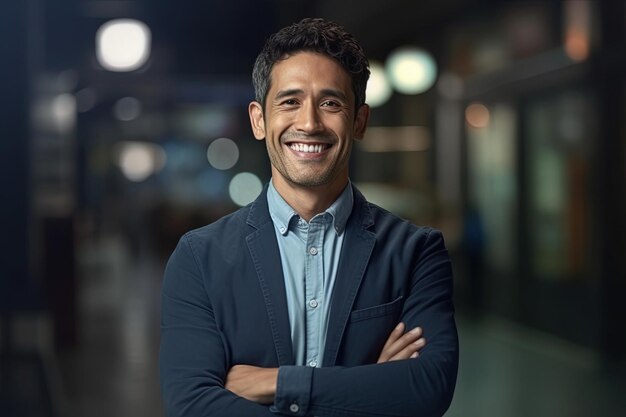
(255, 111)
(360, 122)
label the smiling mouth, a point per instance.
(309, 148)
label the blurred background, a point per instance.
(123, 124)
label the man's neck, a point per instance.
(308, 201)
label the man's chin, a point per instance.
(309, 181)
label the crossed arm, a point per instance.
(196, 380)
(259, 384)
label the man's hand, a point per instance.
(253, 383)
(402, 346)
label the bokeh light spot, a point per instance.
(223, 153)
(127, 108)
(123, 44)
(411, 70)
(378, 88)
(63, 112)
(244, 188)
(139, 160)
(85, 99)
(577, 45)
(477, 115)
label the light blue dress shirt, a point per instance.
(309, 253)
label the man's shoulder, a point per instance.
(396, 234)
(381, 219)
(384, 220)
(228, 226)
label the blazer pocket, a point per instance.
(377, 311)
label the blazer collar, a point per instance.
(265, 254)
(259, 213)
(358, 242)
(357, 248)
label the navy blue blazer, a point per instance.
(224, 303)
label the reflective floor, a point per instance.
(114, 371)
(506, 370)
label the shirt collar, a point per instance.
(282, 214)
(341, 209)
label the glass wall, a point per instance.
(557, 155)
(493, 187)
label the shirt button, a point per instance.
(313, 303)
(313, 250)
(294, 408)
(313, 363)
(282, 230)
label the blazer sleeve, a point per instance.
(192, 361)
(414, 387)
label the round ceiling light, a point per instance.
(411, 70)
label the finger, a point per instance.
(395, 334)
(410, 351)
(400, 344)
(406, 350)
(403, 341)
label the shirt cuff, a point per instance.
(293, 390)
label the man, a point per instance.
(310, 301)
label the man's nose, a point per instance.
(308, 118)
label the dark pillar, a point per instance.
(609, 70)
(60, 278)
(17, 289)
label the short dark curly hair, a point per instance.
(315, 35)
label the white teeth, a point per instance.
(302, 147)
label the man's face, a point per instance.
(309, 121)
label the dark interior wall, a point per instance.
(15, 282)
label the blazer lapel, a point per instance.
(355, 254)
(263, 248)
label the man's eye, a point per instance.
(330, 103)
(290, 102)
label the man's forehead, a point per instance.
(306, 67)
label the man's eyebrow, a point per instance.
(325, 92)
(290, 92)
(334, 93)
